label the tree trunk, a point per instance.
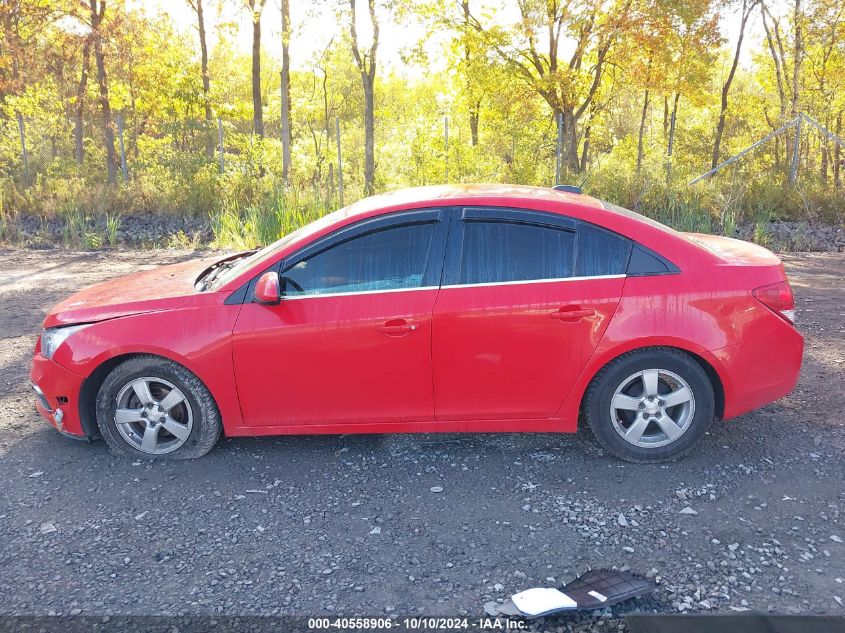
(367, 66)
(837, 154)
(665, 117)
(670, 145)
(257, 111)
(286, 110)
(102, 82)
(673, 121)
(798, 53)
(726, 88)
(475, 108)
(825, 149)
(369, 137)
(206, 84)
(585, 148)
(640, 149)
(570, 159)
(796, 72)
(79, 106)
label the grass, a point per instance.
(80, 231)
(684, 215)
(113, 222)
(257, 224)
(246, 210)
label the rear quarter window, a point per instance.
(600, 252)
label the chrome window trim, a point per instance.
(446, 287)
(320, 295)
(531, 281)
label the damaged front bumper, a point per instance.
(57, 395)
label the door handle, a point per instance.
(397, 327)
(572, 314)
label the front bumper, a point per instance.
(57, 395)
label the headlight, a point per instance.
(52, 337)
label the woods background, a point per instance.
(238, 111)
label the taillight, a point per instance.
(777, 298)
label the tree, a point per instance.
(79, 105)
(569, 87)
(21, 23)
(286, 109)
(825, 57)
(777, 40)
(692, 45)
(97, 12)
(256, 7)
(475, 101)
(196, 5)
(366, 61)
(747, 7)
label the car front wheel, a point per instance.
(650, 405)
(153, 407)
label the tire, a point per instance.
(636, 424)
(154, 408)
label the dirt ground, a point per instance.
(349, 524)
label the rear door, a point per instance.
(350, 341)
(526, 297)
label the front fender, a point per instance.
(197, 337)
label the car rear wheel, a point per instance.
(152, 407)
(650, 405)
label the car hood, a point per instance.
(162, 288)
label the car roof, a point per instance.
(439, 194)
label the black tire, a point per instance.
(597, 403)
(206, 426)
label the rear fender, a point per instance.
(606, 354)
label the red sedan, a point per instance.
(443, 309)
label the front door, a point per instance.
(350, 341)
(517, 318)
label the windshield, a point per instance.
(238, 267)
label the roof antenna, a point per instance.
(586, 178)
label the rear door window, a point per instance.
(501, 252)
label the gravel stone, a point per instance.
(359, 534)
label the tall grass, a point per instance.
(80, 231)
(276, 214)
(113, 222)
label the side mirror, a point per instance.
(267, 289)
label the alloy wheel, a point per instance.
(652, 408)
(153, 415)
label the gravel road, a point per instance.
(418, 524)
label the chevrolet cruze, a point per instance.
(477, 308)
